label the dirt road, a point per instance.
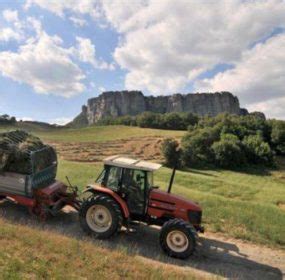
(216, 255)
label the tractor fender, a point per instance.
(98, 189)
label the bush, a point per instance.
(196, 146)
(149, 120)
(257, 151)
(278, 136)
(171, 152)
(172, 121)
(228, 152)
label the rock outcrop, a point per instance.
(119, 103)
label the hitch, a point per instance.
(73, 188)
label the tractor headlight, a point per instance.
(195, 217)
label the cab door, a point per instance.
(133, 188)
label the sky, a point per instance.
(56, 54)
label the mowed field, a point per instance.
(247, 204)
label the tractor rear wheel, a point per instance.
(100, 216)
(178, 238)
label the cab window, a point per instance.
(114, 177)
(101, 177)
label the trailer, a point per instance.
(37, 189)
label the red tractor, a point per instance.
(124, 193)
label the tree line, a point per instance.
(6, 119)
(228, 141)
(225, 140)
(171, 121)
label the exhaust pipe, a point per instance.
(171, 180)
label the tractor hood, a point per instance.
(174, 200)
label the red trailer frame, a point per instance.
(46, 201)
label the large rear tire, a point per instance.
(178, 239)
(100, 216)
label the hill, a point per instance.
(7, 122)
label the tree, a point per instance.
(228, 152)
(196, 146)
(173, 121)
(149, 119)
(257, 151)
(171, 152)
(278, 136)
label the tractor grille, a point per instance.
(195, 217)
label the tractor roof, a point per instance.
(126, 162)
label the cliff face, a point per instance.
(119, 103)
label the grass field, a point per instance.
(94, 133)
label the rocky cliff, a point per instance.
(119, 103)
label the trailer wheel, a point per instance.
(100, 216)
(178, 238)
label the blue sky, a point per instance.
(54, 55)
(19, 99)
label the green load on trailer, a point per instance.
(21, 152)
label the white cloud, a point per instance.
(271, 108)
(45, 65)
(60, 6)
(13, 28)
(125, 15)
(101, 89)
(258, 78)
(10, 15)
(8, 34)
(29, 119)
(167, 44)
(61, 121)
(78, 22)
(87, 53)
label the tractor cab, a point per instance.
(131, 179)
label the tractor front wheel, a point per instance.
(100, 216)
(178, 239)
